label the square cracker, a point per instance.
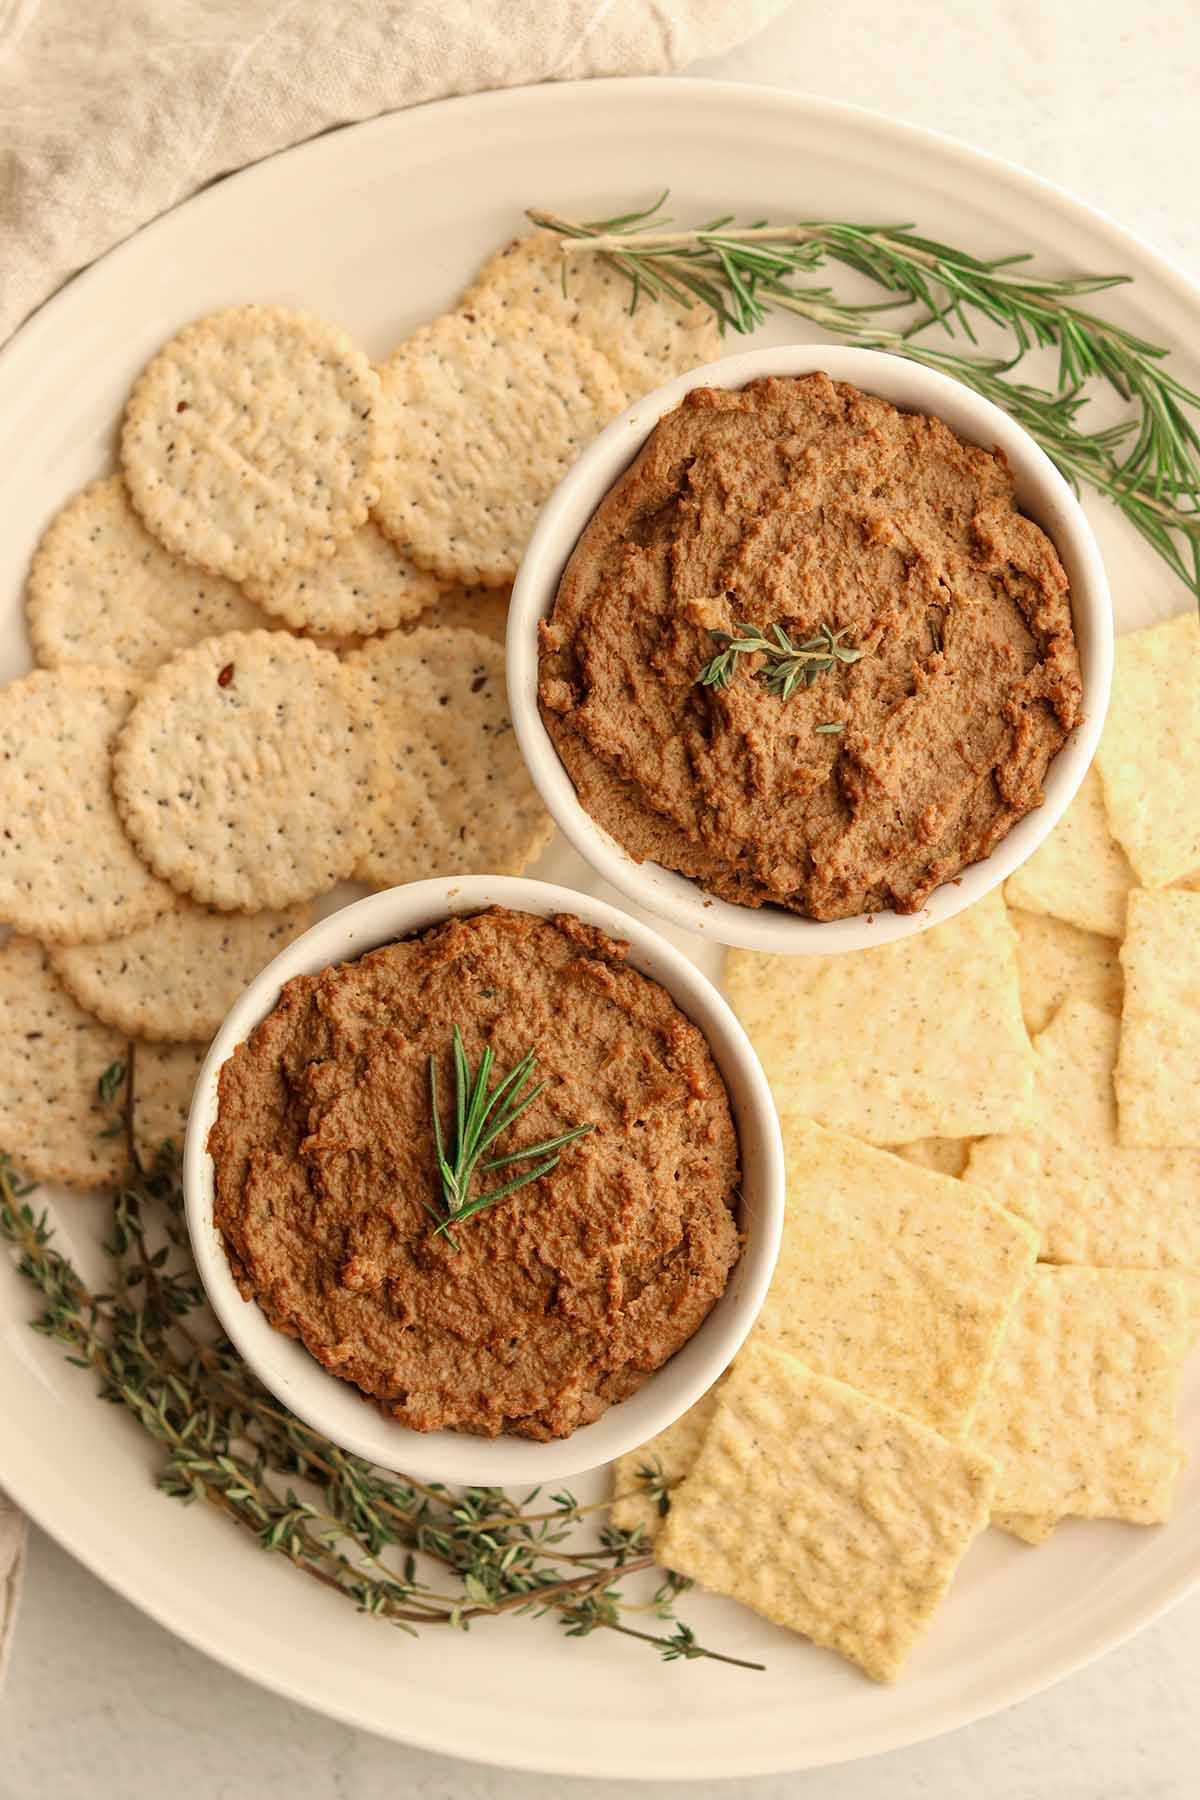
(920, 1038)
(1094, 1199)
(1157, 1093)
(1057, 960)
(1149, 754)
(825, 1511)
(1080, 873)
(945, 1156)
(891, 1278)
(1080, 1408)
(671, 1454)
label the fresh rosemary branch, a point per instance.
(785, 665)
(479, 1119)
(408, 1552)
(1148, 465)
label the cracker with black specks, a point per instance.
(175, 980)
(485, 415)
(102, 590)
(367, 585)
(459, 799)
(52, 1056)
(164, 1076)
(251, 441)
(249, 772)
(68, 872)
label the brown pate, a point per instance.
(808, 503)
(562, 1298)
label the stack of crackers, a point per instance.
(990, 1273)
(270, 658)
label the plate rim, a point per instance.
(685, 92)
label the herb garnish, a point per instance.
(410, 1553)
(479, 1119)
(786, 665)
(1147, 464)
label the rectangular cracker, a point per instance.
(1080, 873)
(1057, 960)
(1093, 1199)
(670, 1455)
(1158, 1068)
(919, 1038)
(163, 1078)
(1080, 1408)
(1149, 754)
(827, 1512)
(890, 1278)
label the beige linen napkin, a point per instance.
(112, 111)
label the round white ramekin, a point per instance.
(1041, 492)
(336, 1408)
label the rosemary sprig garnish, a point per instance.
(479, 1119)
(1148, 464)
(411, 1553)
(785, 665)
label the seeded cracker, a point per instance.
(367, 585)
(890, 1278)
(870, 1044)
(658, 340)
(67, 870)
(102, 590)
(1080, 1409)
(486, 415)
(1149, 754)
(945, 1156)
(163, 1078)
(825, 1511)
(473, 609)
(249, 772)
(671, 1455)
(1057, 960)
(1158, 1069)
(176, 979)
(459, 798)
(52, 1056)
(1080, 873)
(1093, 1199)
(250, 442)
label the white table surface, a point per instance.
(1101, 97)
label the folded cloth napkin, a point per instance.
(111, 113)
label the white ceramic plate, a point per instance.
(378, 227)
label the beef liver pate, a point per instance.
(562, 1298)
(808, 503)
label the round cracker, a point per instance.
(367, 585)
(68, 873)
(485, 416)
(655, 342)
(102, 590)
(250, 441)
(52, 1056)
(460, 801)
(472, 609)
(248, 772)
(175, 980)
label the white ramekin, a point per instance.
(337, 1409)
(1041, 492)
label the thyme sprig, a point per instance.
(479, 1119)
(410, 1553)
(785, 666)
(1148, 464)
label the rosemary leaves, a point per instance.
(479, 1119)
(1147, 464)
(785, 666)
